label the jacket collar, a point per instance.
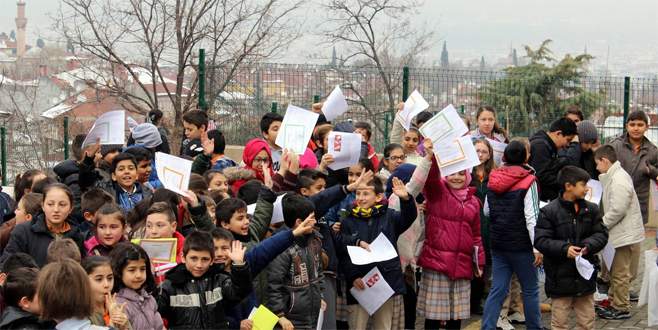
(605, 177)
(582, 205)
(39, 225)
(180, 275)
(133, 295)
(646, 144)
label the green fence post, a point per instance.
(203, 105)
(274, 107)
(316, 98)
(3, 154)
(627, 99)
(405, 83)
(66, 137)
(462, 109)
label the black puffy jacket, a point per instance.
(544, 159)
(295, 282)
(558, 228)
(199, 303)
(68, 174)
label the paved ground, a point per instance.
(638, 319)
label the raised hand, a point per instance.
(191, 198)
(267, 176)
(207, 144)
(117, 317)
(285, 162)
(326, 160)
(237, 252)
(294, 163)
(306, 227)
(429, 148)
(358, 283)
(400, 189)
(400, 106)
(364, 178)
(364, 245)
(93, 149)
(317, 107)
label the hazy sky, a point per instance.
(488, 27)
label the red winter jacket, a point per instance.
(452, 229)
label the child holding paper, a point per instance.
(448, 256)
(370, 218)
(124, 187)
(295, 276)
(134, 285)
(570, 227)
(199, 278)
(161, 223)
(109, 227)
(623, 218)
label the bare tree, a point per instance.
(136, 41)
(377, 33)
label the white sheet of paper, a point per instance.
(320, 320)
(471, 157)
(451, 152)
(251, 208)
(444, 125)
(346, 149)
(376, 293)
(608, 255)
(381, 249)
(159, 249)
(542, 204)
(595, 191)
(296, 129)
(174, 172)
(584, 267)
(498, 150)
(414, 105)
(335, 105)
(277, 211)
(110, 128)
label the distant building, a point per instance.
(445, 63)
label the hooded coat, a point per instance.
(252, 149)
(452, 229)
(508, 187)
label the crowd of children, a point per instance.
(466, 243)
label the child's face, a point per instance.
(218, 182)
(109, 229)
(353, 173)
(262, 158)
(602, 165)
(482, 151)
(239, 223)
(159, 226)
(486, 122)
(395, 159)
(102, 281)
(456, 180)
(636, 129)
(134, 274)
(211, 210)
(579, 190)
(272, 132)
(315, 188)
(125, 174)
(197, 262)
(363, 132)
(366, 196)
(56, 206)
(410, 142)
(144, 171)
(222, 248)
(192, 131)
(21, 214)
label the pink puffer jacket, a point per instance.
(452, 230)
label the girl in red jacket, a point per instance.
(452, 252)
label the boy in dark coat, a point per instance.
(22, 310)
(569, 228)
(366, 221)
(196, 293)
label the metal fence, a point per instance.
(522, 104)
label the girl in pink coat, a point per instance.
(452, 252)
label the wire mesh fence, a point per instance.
(524, 104)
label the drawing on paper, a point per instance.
(294, 138)
(173, 177)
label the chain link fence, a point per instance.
(524, 103)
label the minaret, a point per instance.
(444, 63)
(21, 23)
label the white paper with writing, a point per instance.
(608, 255)
(174, 172)
(110, 128)
(444, 125)
(376, 293)
(381, 249)
(455, 149)
(335, 105)
(346, 149)
(414, 105)
(296, 129)
(584, 267)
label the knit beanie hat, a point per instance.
(587, 132)
(147, 135)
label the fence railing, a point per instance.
(523, 104)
